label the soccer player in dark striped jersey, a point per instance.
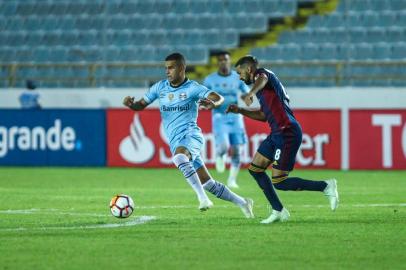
(279, 149)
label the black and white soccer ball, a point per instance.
(121, 206)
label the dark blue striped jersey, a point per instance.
(274, 103)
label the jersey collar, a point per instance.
(186, 79)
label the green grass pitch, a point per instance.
(61, 220)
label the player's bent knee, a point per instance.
(253, 168)
(179, 159)
(184, 165)
(277, 179)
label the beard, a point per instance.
(247, 81)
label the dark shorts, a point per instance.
(282, 148)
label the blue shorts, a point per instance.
(193, 142)
(235, 138)
(282, 148)
(228, 129)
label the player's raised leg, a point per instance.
(281, 181)
(181, 159)
(223, 192)
(257, 170)
(283, 162)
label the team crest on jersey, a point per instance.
(182, 96)
(170, 96)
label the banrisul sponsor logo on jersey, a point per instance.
(179, 108)
(38, 138)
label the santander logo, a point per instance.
(137, 148)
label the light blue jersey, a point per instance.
(230, 126)
(179, 110)
(29, 99)
(228, 86)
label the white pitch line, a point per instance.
(48, 212)
(134, 222)
(72, 213)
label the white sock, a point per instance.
(221, 191)
(233, 173)
(186, 167)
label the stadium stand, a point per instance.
(121, 43)
(367, 38)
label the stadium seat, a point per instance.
(327, 51)
(381, 51)
(229, 38)
(117, 23)
(309, 52)
(9, 8)
(180, 7)
(314, 21)
(290, 52)
(361, 51)
(162, 7)
(395, 34)
(7, 54)
(333, 21)
(288, 7)
(343, 52)
(376, 34)
(216, 6)
(40, 54)
(399, 51)
(358, 35)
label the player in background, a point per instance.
(29, 99)
(228, 129)
(179, 99)
(282, 144)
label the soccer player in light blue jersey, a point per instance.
(179, 99)
(228, 129)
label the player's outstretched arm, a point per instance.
(212, 101)
(135, 105)
(253, 114)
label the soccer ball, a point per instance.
(121, 206)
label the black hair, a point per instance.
(248, 59)
(30, 84)
(219, 53)
(179, 58)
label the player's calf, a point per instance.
(283, 182)
(265, 184)
(222, 192)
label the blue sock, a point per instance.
(266, 185)
(297, 184)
